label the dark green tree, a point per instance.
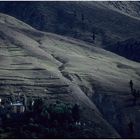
(38, 105)
(76, 112)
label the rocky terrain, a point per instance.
(129, 8)
(57, 67)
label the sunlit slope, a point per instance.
(27, 67)
(56, 67)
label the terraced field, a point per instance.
(55, 67)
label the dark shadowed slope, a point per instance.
(76, 19)
(129, 48)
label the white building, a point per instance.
(18, 107)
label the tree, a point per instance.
(131, 128)
(38, 105)
(82, 17)
(131, 85)
(76, 112)
(136, 95)
(93, 36)
(30, 103)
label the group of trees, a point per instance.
(58, 111)
(128, 48)
(43, 120)
(135, 93)
(75, 23)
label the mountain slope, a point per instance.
(57, 67)
(78, 19)
(25, 66)
(129, 8)
(129, 48)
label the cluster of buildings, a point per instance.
(16, 105)
(13, 107)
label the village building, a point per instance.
(17, 107)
